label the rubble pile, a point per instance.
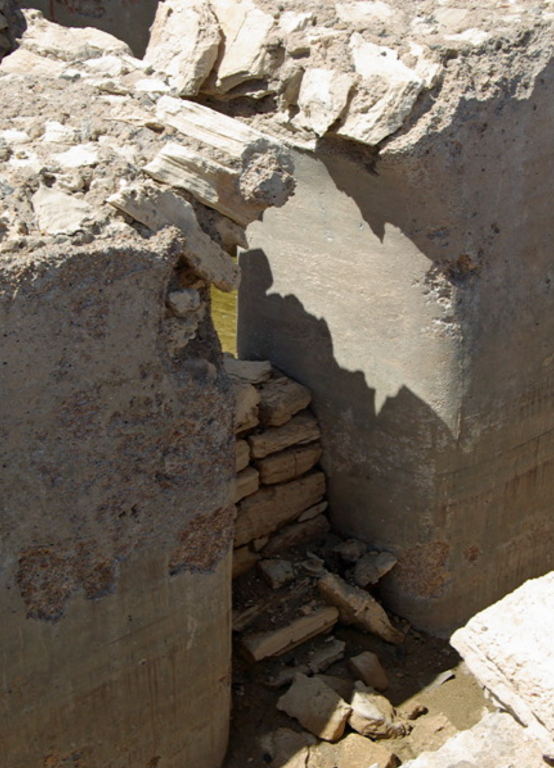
(94, 146)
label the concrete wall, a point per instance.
(413, 295)
(116, 469)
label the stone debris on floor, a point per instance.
(298, 585)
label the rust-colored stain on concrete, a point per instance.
(421, 570)
(204, 542)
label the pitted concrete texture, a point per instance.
(117, 457)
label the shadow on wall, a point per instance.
(128, 20)
(367, 448)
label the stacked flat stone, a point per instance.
(279, 489)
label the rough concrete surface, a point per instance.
(417, 309)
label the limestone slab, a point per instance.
(299, 430)
(246, 405)
(497, 741)
(288, 464)
(261, 645)
(369, 669)
(323, 98)
(247, 30)
(242, 453)
(58, 213)
(296, 534)
(272, 507)
(157, 208)
(508, 647)
(247, 483)
(252, 371)
(184, 43)
(316, 707)
(392, 89)
(373, 566)
(359, 608)
(276, 572)
(280, 399)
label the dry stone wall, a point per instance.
(279, 489)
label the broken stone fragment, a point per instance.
(242, 453)
(331, 651)
(359, 608)
(431, 732)
(272, 507)
(351, 550)
(287, 748)
(316, 707)
(288, 464)
(373, 715)
(367, 667)
(353, 751)
(183, 301)
(260, 645)
(373, 566)
(299, 430)
(157, 208)
(280, 399)
(385, 97)
(247, 398)
(247, 483)
(312, 512)
(68, 44)
(296, 534)
(184, 43)
(252, 371)
(243, 560)
(58, 213)
(248, 39)
(322, 98)
(276, 572)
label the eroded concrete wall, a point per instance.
(117, 467)
(412, 291)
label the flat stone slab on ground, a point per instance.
(509, 649)
(260, 645)
(497, 741)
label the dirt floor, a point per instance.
(422, 669)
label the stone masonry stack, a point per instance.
(279, 490)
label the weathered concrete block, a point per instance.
(116, 569)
